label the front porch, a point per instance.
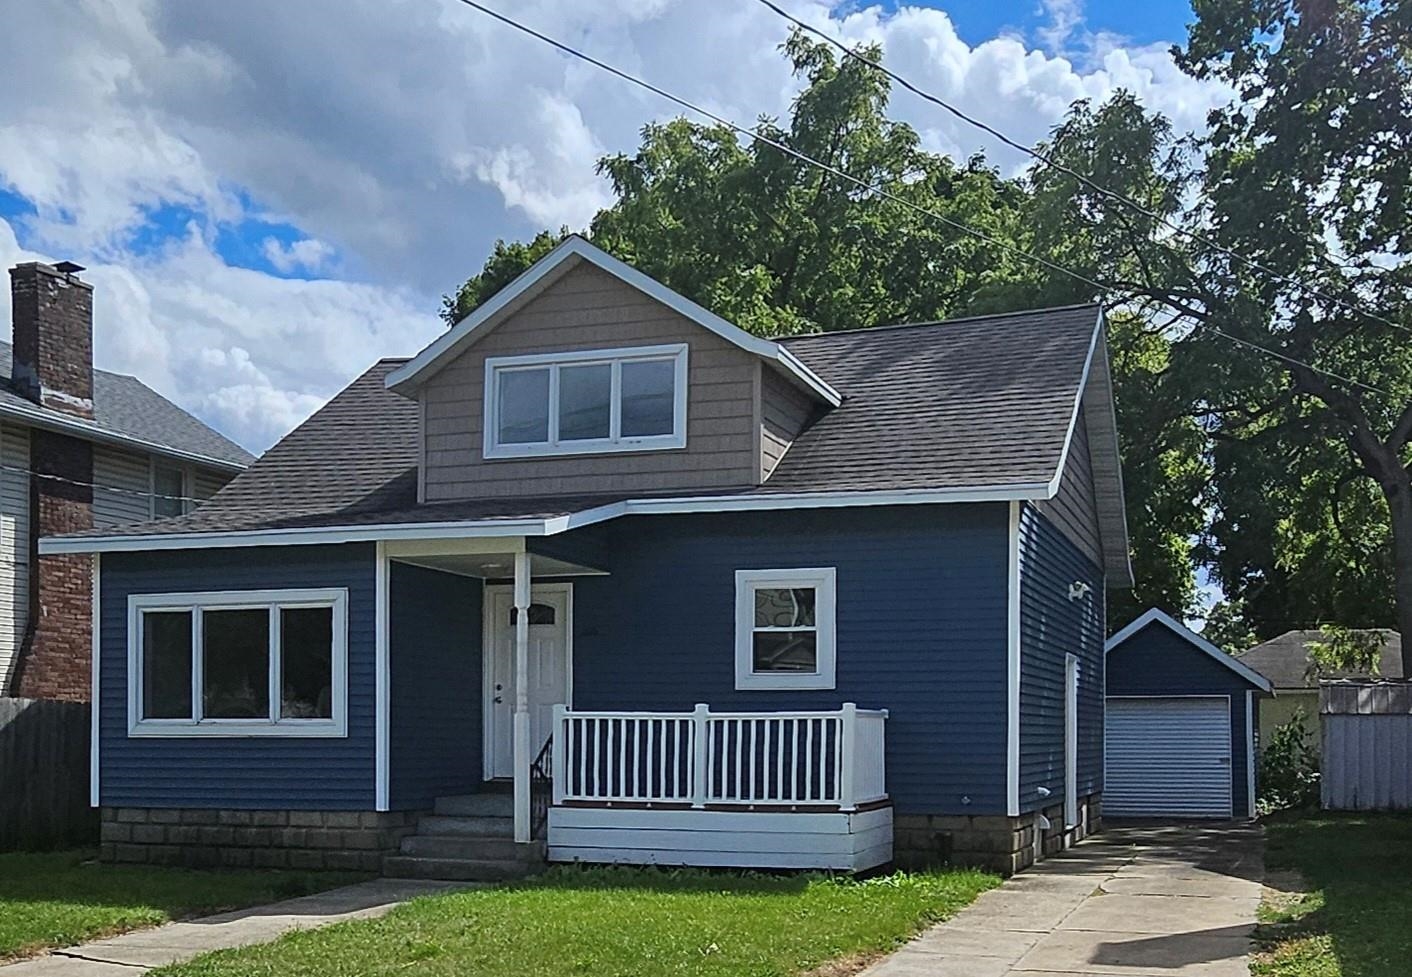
(763, 788)
(748, 790)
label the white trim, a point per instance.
(1071, 741)
(497, 366)
(95, 680)
(488, 665)
(1012, 666)
(1156, 615)
(382, 658)
(1250, 753)
(195, 603)
(532, 526)
(484, 318)
(1077, 408)
(824, 582)
(38, 417)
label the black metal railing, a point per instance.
(541, 789)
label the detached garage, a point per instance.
(1180, 726)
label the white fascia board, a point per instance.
(533, 527)
(405, 377)
(50, 421)
(1155, 615)
(1076, 409)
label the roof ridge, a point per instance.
(938, 322)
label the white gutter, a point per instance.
(549, 526)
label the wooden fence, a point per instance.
(44, 775)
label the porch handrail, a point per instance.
(758, 758)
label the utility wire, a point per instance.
(870, 188)
(1051, 162)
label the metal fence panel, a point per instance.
(44, 799)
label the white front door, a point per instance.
(549, 614)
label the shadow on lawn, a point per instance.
(662, 879)
(1357, 872)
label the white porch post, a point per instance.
(521, 716)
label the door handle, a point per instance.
(498, 699)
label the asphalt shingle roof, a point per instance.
(959, 404)
(1286, 662)
(125, 406)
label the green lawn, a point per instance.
(621, 922)
(57, 899)
(1356, 918)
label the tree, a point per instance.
(1306, 173)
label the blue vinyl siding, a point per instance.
(1157, 661)
(232, 772)
(435, 655)
(921, 620)
(1051, 627)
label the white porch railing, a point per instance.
(700, 758)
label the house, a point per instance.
(79, 448)
(599, 575)
(1294, 674)
(1180, 724)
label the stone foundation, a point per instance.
(206, 838)
(996, 842)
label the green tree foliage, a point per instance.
(1289, 767)
(1306, 172)
(1228, 628)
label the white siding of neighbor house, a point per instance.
(122, 486)
(14, 546)
(205, 484)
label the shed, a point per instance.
(1367, 745)
(1180, 724)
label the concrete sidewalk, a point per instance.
(1133, 902)
(137, 952)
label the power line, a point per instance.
(1051, 162)
(871, 188)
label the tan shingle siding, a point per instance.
(589, 309)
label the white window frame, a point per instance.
(495, 366)
(823, 580)
(138, 605)
(188, 480)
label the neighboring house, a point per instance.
(79, 448)
(1180, 737)
(689, 595)
(1286, 661)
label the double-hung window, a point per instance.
(171, 491)
(238, 663)
(784, 629)
(587, 401)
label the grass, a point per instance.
(56, 899)
(1352, 916)
(622, 922)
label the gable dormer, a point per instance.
(584, 376)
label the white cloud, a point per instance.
(401, 138)
(307, 254)
(249, 353)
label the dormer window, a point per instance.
(588, 401)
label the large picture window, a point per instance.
(784, 629)
(238, 663)
(588, 401)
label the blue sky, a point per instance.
(1141, 22)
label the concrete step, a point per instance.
(456, 869)
(488, 805)
(481, 827)
(472, 847)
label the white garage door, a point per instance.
(1168, 757)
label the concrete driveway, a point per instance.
(1134, 902)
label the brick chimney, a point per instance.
(52, 312)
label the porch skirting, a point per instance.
(209, 838)
(996, 842)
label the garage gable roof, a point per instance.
(1157, 616)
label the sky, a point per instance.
(269, 196)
